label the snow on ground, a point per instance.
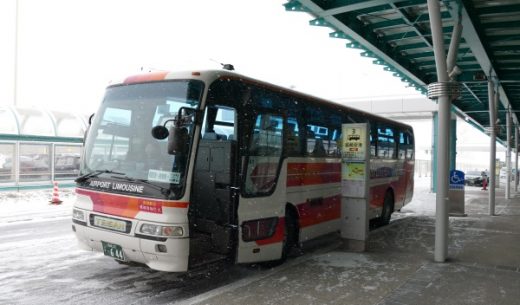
(17, 206)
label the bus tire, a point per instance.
(388, 209)
(290, 239)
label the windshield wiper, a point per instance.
(95, 173)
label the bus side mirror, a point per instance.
(178, 140)
(160, 132)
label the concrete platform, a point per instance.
(398, 268)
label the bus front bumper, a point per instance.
(140, 250)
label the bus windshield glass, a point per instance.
(120, 144)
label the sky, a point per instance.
(70, 50)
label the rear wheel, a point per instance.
(290, 239)
(388, 209)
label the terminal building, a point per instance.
(39, 146)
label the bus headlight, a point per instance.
(165, 231)
(78, 215)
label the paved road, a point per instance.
(41, 264)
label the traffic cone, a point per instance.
(55, 194)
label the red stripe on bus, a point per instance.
(300, 174)
(127, 206)
(278, 234)
(148, 77)
(318, 210)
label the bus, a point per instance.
(181, 169)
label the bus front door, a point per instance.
(261, 209)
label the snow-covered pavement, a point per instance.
(34, 206)
(40, 262)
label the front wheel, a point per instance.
(290, 240)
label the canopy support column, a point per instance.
(492, 146)
(508, 154)
(443, 98)
(516, 159)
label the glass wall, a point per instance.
(38, 146)
(66, 161)
(7, 158)
(35, 162)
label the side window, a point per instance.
(406, 147)
(373, 140)
(410, 150)
(333, 149)
(403, 144)
(292, 138)
(385, 142)
(265, 152)
(317, 140)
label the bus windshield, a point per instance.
(120, 143)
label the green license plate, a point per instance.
(113, 250)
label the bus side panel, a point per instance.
(314, 187)
(386, 175)
(409, 173)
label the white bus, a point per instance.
(182, 169)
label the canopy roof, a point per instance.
(40, 122)
(397, 35)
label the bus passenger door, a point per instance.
(261, 208)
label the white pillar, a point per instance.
(441, 218)
(508, 154)
(516, 158)
(492, 147)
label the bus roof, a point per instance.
(209, 76)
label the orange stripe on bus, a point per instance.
(127, 206)
(300, 174)
(319, 210)
(175, 204)
(148, 77)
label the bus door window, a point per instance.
(265, 151)
(219, 123)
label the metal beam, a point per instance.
(472, 37)
(412, 24)
(316, 10)
(472, 93)
(353, 6)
